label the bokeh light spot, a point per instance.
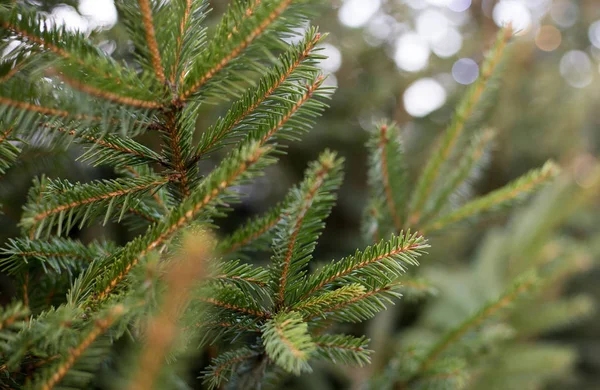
(594, 33)
(465, 71)
(412, 52)
(423, 97)
(356, 13)
(548, 38)
(431, 24)
(447, 45)
(459, 5)
(564, 13)
(576, 68)
(332, 63)
(512, 11)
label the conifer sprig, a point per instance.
(455, 129)
(303, 221)
(382, 262)
(511, 192)
(226, 46)
(59, 370)
(69, 204)
(56, 255)
(288, 343)
(521, 286)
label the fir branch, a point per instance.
(182, 32)
(521, 286)
(287, 342)
(515, 190)
(141, 171)
(466, 167)
(106, 95)
(176, 153)
(310, 90)
(247, 277)
(242, 163)
(57, 254)
(15, 66)
(70, 47)
(362, 306)
(383, 261)
(111, 148)
(100, 327)
(289, 62)
(12, 313)
(320, 305)
(219, 64)
(252, 230)
(344, 349)
(303, 221)
(52, 112)
(82, 202)
(232, 307)
(464, 111)
(386, 179)
(224, 366)
(162, 328)
(151, 39)
(8, 151)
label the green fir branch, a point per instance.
(302, 224)
(343, 349)
(64, 204)
(56, 255)
(383, 262)
(467, 106)
(287, 342)
(510, 193)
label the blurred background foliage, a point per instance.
(410, 60)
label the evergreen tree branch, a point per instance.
(224, 366)
(310, 90)
(521, 286)
(122, 151)
(327, 302)
(84, 201)
(106, 95)
(304, 219)
(339, 348)
(100, 327)
(389, 197)
(53, 112)
(13, 71)
(244, 107)
(176, 153)
(465, 110)
(466, 167)
(251, 231)
(232, 307)
(376, 261)
(237, 50)
(58, 254)
(8, 151)
(163, 328)
(151, 39)
(182, 31)
(72, 48)
(510, 192)
(235, 169)
(12, 313)
(288, 343)
(361, 306)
